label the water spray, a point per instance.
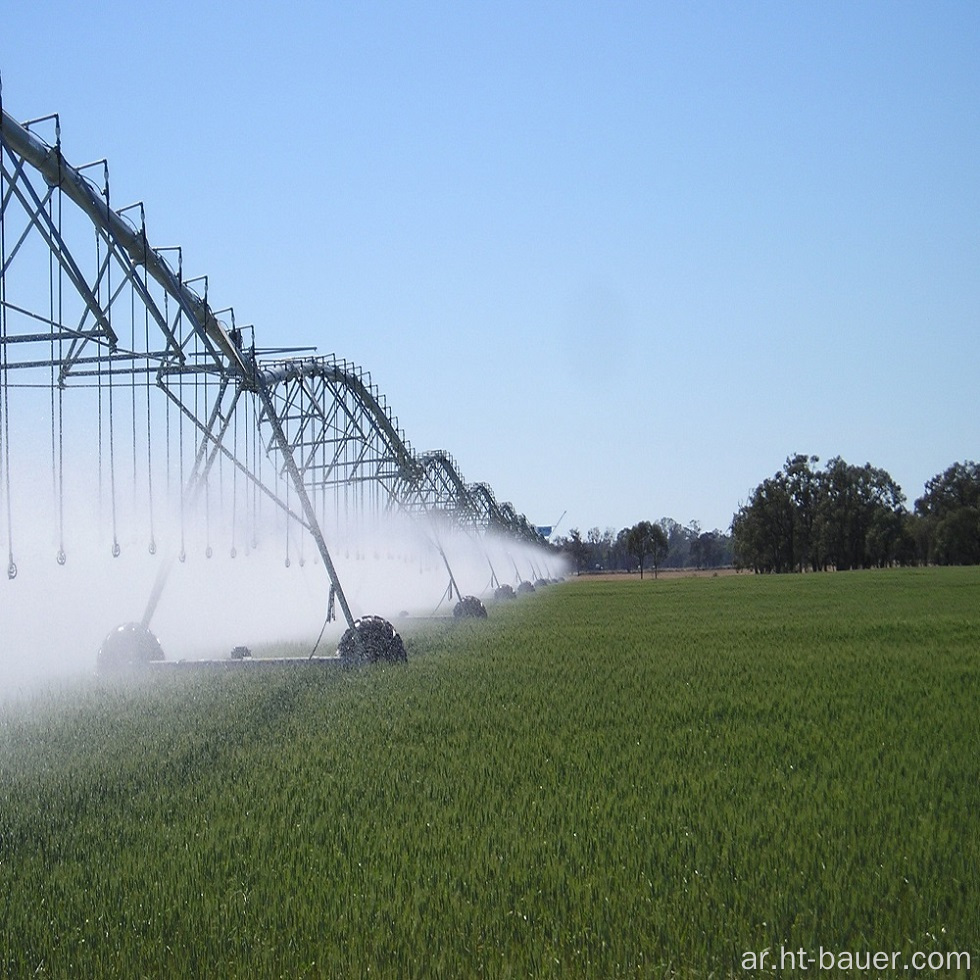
(336, 449)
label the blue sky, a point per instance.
(621, 259)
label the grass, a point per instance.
(604, 779)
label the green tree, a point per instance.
(600, 546)
(845, 516)
(803, 485)
(949, 512)
(577, 548)
(957, 486)
(621, 550)
(659, 547)
(859, 515)
(710, 549)
(762, 529)
(678, 542)
(957, 537)
(644, 539)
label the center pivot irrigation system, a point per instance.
(115, 368)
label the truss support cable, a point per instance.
(132, 389)
(208, 552)
(112, 433)
(61, 557)
(149, 430)
(258, 453)
(288, 522)
(4, 373)
(112, 468)
(182, 556)
(234, 485)
(56, 316)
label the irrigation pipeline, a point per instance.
(328, 430)
(57, 172)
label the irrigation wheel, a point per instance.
(469, 607)
(370, 640)
(127, 646)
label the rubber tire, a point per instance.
(371, 640)
(127, 646)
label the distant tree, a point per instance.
(598, 555)
(644, 539)
(611, 558)
(762, 529)
(949, 512)
(918, 535)
(845, 517)
(659, 547)
(693, 532)
(638, 542)
(746, 539)
(577, 548)
(958, 486)
(623, 549)
(956, 540)
(858, 506)
(803, 485)
(710, 549)
(678, 543)
(685, 546)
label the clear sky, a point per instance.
(620, 259)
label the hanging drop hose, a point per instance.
(61, 557)
(4, 374)
(288, 562)
(149, 427)
(234, 486)
(112, 468)
(57, 454)
(108, 311)
(180, 463)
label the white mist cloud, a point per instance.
(54, 617)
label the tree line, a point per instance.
(664, 543)
(804, 518)
(843, 516)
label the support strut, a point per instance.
(308, 510)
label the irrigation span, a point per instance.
(137, 418)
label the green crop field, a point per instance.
(656, 779)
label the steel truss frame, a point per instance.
(131, 321)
